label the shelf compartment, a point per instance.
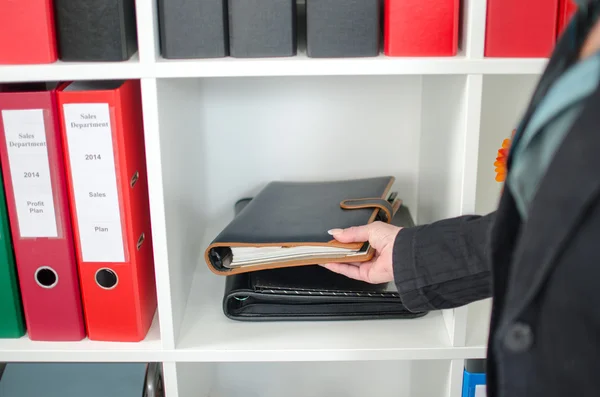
(400, 378)
(224, 139)
(24, 349)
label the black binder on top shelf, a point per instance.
(95, 30)
(311, 292)
(193, 29)
(262, 28)
(343, 28)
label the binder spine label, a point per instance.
(25, 136)
(94, 181)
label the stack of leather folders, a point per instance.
(271, 250)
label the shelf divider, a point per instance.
(157, 210)
(147, 31)
(474, 21)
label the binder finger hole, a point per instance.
(134, 179)
(46, 277)
(106, 279)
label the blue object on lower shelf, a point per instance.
(474, 379)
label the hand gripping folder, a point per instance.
(106, 166)
(36, 192)
(286, 225)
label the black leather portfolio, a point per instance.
(286, 225)
(311, 292)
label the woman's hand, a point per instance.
(381, 237)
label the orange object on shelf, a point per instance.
(501, 159)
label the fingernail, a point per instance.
(334, 231)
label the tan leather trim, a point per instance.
(331, 243)
(352, 204)
(396, 205)
(301, 262)
(383, 196)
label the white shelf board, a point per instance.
(66, 71)
(301, 65)
(24, 349)
(208, 335)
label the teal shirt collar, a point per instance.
(547, 127)
(578, 82)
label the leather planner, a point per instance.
(286, 225)
(311, 292)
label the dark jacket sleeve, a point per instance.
(444, 264)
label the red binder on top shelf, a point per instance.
(27, 34)
(566, 10)
(36, 194)
(106, 166)
(519, 29)
(421, 28)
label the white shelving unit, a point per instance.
(217, 130)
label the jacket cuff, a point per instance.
(406, 276)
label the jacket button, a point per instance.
(518, 338)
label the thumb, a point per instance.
(355, 234)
